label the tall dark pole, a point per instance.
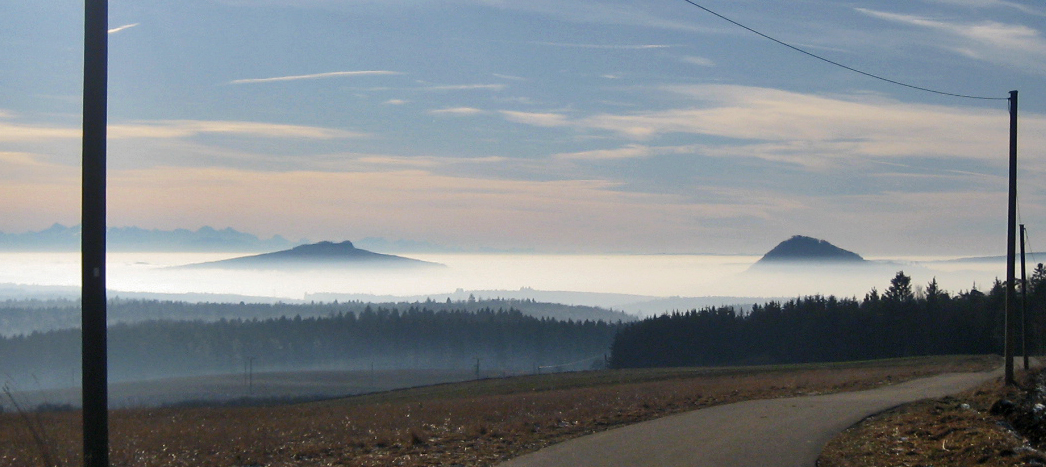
(1011, 241)
(92, 247)
(1024, 303)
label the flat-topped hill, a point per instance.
(319, 255)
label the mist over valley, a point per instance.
(205, 314)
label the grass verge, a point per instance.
(960, 430)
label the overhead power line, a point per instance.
(840, 65)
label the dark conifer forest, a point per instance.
(380, 338)
(900, 322)
(904, 320)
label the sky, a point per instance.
(640, 126)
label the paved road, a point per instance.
(778, 433)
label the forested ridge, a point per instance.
(27, 316)
(900, 322)
(416, 337)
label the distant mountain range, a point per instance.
(319, 256)
(61, 238)
(205, 239)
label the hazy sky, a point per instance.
(590, 126)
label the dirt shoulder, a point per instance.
(992, 425)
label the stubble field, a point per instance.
(475, 423)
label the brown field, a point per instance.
(300, 385)
(468, 424)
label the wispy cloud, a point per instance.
(458, 111)
(700, 61)
(804, 129)
(634, 151)
(1011, 44)
(166, 129)
(612, 13)
(509, 77)
(606, 46)
(121, 28)
(12, 132)
(463, 87)
(429, 87)
(995, 4)
(537, 119)
(18, 158)
(186, 128)
(630, 151)
(396, 102)
(427, 161)
(332, 74)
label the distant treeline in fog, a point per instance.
(900, 322)
(381, 338)
(27, 316)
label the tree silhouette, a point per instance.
(900, 289)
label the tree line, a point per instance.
(29, 315)
(899, 322)
(902, 321)
(382, 338)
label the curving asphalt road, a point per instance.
(776, 432)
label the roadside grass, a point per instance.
(476, 423)
(958, 430)
(34, 426)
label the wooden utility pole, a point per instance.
(92, 247)
(1010, 320)
(1024, 303)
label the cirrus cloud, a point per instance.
(991, 41)
(121, 28)
(805, 129)
(166, 129)
(459, 111)
(186, 128)
(332, 74)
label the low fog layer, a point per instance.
(617, 281)
(190, 340)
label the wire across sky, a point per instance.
(840, 65)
